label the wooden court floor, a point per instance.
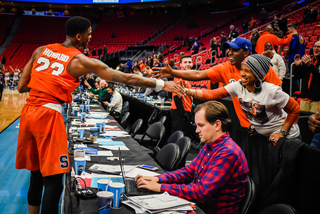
(10, 107)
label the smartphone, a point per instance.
(152, 168)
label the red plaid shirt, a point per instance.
(215, 179)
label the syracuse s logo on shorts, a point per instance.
(64, 161)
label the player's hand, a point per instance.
(275, 137)
(162, 72)
(307, 60)
(314, 122)
(297, 60)
(106, 103)
(171, 86)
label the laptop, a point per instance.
(131, 188)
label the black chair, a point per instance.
(279, 209)
(135, 127)
(168, 156)
(152, 117)
(163, 119)
(175, 136)
(153, 135)
(124, 120)
(249, 197)
(184, 145)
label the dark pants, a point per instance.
(1, 91)
(180, 122)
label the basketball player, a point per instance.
(51, 75)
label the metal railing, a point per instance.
(206, 31)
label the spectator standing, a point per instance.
(94, 52)
(214, 46)
(253, 23)
(223, 40)
(196, 46)
(263, 16)
(296, 46)
(180, 110)
(277, 62)
(274, 22)
(233, 33)
(160, 56)
(99, 52)
(86, 51)
(105, 51)
(244, 26)
(268, 36)
(283, 22)
(307, 69)
(278, 31)
(254, 38)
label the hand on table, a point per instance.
(148, 182)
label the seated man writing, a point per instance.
(216, 178)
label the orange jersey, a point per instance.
(227, 73)
(50, 79)
(273, 39)
(186, 101)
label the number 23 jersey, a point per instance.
(50, 80)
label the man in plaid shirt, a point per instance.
(216, 178)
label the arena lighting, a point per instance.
(299, 2)
(245, 4)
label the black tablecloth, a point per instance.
(136, 155)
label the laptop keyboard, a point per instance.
(132, 188)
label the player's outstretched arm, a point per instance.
(82, 65)
(167, 71)
(26, 75)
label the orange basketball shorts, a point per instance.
(42, 141)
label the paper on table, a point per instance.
(163, 201)
(137, 209)
(104, 153)
(122, 148)
(109, 142)
(87, 157)
(116, 133)
(79, 145)
(136, 171)
(111, 168)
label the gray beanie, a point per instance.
(258, 64)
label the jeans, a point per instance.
(316, 141)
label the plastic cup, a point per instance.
(100, 125)
(129, 92)
(79, 153)
(141, 96)
(117, 189)
(81, 132)
(94, 131)
(138, 95)
(145, 99)
(79, 165)
(151, 98)
(103, 183)
(81, 108)
(103, 126)
(104, 201)
(83, 117)
(88, 101)
(87, 108)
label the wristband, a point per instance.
(159, 85)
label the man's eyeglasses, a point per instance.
(316, 46)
